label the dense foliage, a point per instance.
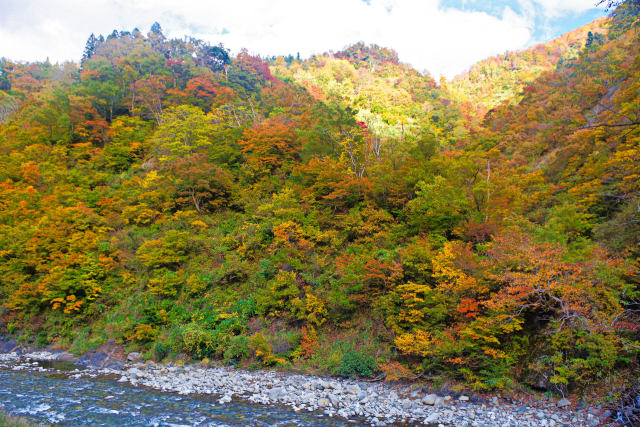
(336, 214)
(503, 78)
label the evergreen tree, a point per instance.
(156, 29)
(90, 48)
(589, 39)
(214, 57)
(5, 84)
(157, 39)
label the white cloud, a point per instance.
(556, 8)
(444, 41)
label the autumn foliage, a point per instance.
(341, 214)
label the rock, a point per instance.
(463, 398)
(431, 418)
(429, 399)
(134, 357)
(8, 346)
(84, 360)
(563, 402)
(353, 389)
(275, 393)
(448, 398)
(99, 359)
(66, 357)
(114, 364)
(334, 399)
(93, 360)
(439, 401)
(134, 373)
(323, 402)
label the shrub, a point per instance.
(159, 351)
(262, 350)
(276, 299)
(165, 283)
(42, 339)
(199, 342)
(238, 348)
(196, 284)
(309, 342)
(355, 363)
(143, 333)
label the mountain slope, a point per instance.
(503, 77)
(392, 98)
(333, 215)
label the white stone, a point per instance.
(429, 399)
(323, 402)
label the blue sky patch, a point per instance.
(545, 27)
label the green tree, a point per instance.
(438, 207)
(184, 130)
(89, 48)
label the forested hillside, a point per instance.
(338, 214)
(503, 78)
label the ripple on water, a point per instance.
(98, 401)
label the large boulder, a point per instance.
(429, 399)
(65, 356)
(134, 357)
(7, 346)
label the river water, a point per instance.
(52, 397)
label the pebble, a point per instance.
(429, 399)
(358, 401)
(431, 418)
(323, 402)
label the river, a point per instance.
(46, 393)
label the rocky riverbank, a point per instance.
(360, 401)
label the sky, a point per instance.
(442, 37)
